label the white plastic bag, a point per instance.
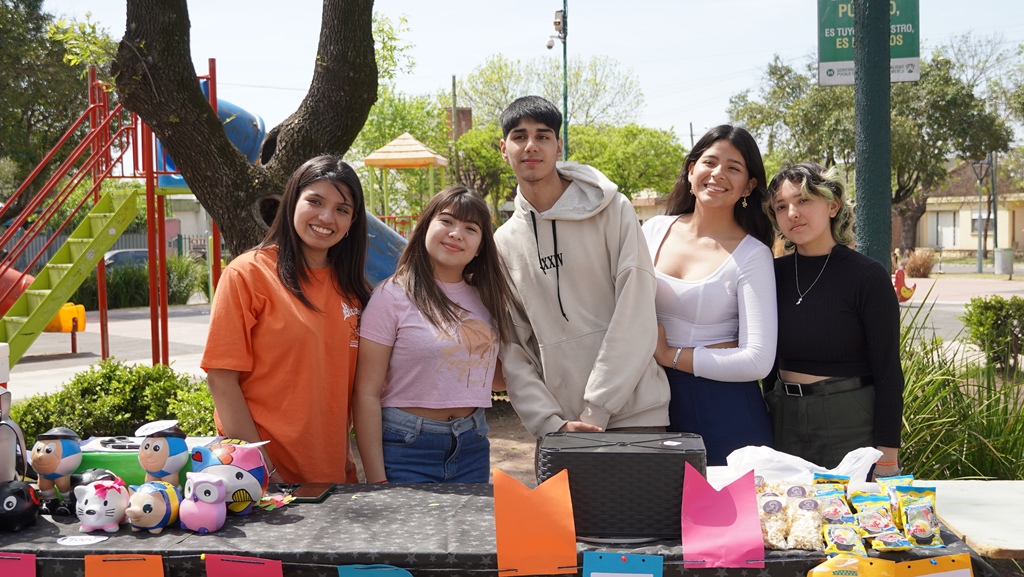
(777, 466)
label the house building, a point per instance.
(952, 217)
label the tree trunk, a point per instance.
(910, 212)
(155, 78)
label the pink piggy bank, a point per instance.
(203, 509)
(242, 468)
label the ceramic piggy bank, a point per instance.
(101, 505)
(19, 506)
(153, 506)
(162, 455)
(55, 456)
(242, 468)
(204, 506)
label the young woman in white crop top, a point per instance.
(716, 293)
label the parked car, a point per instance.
(126, 256)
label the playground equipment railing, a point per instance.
(111, 135)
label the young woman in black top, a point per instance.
(839, 382)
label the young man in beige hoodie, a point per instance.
(581, 356)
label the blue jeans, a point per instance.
(419, 450)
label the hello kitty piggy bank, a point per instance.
(101, 505)
(153, 506)
(19, 505)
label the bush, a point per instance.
(113, 398)
(996, 326)
(960, 419)
(193, 407)
(919, 263)
(185, 274)
(128, 285)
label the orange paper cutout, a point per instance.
(124, 566)
(535, 531)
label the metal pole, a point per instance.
(455, 132)
(981, 246)
(994, 199)
(873, 130)
(565, 80)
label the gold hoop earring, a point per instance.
(744, 202)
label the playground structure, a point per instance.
(117, 144)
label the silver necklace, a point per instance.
(796, 269)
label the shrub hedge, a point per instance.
(113, 398)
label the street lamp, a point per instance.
(980, 168)
(562, 27)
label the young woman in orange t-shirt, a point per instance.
(283, 340)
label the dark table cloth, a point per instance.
(427, 529)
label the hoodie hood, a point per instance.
(588, 194)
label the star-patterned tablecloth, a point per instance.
(442, 530)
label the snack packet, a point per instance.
(906, 495)
(831, 479)
(874, 515)
(920, 524)
(889, 484)
(834, 507)
(774, 521)
(844, 539)
(794, 490)
(892, 541)
(804, 524)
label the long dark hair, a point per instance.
(754, 222)
(347, 257)
(415, 272)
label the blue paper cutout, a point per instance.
(371, 571)
(606, 564)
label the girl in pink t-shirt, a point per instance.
(428, 350)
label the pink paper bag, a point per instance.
(720, 528)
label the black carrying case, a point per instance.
(624, 485)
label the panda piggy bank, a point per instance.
(19, 506)
(153, 506)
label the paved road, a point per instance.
(49, 363)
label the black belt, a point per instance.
(826, 387)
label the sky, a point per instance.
(689, 56)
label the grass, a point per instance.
(961, 419)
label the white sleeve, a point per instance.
(758, 326)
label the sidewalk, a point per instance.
(48, 364)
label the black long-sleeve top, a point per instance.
(848, 325)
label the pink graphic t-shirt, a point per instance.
(431, 368)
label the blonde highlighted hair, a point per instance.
(815, 180)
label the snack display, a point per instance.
(805, 524)
(774, 521)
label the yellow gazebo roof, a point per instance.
(405, 152)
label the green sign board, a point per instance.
(836, 41)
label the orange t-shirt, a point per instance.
(296, 364)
